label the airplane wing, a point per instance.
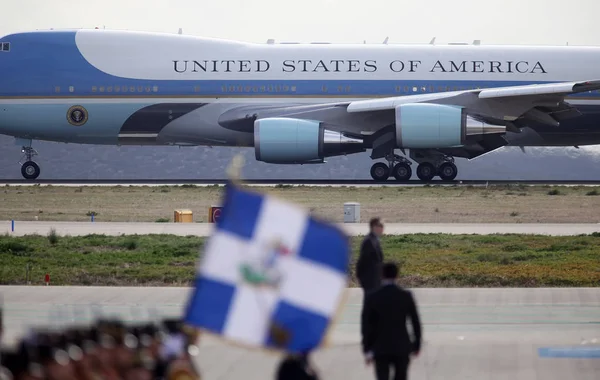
(514, 107)
(535, 90)
(539, 102)
(373, 119)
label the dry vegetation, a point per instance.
(435, 204)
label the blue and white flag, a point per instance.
(271, 276)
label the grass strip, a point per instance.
(426, 260)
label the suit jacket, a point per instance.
(383, 322)
(369, 264)
(295, 369)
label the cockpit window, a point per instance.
(5, 46)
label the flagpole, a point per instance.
(234, 174)
(277, 332)
(234, 171)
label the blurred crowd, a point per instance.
(108, 349)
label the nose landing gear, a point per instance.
(29, 169)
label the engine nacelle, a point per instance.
(298, 141)
(424, 125)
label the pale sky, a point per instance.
(545, 22)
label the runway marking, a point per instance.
(570, 352)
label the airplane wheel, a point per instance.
(30, 170)
(402, 171)
(426, 171)
(380, 172)
(447, 171)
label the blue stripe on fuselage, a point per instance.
(49, 64)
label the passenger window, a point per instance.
(6, 46)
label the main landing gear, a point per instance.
(433, 163)
(29, 169)
(397, 166)
(430, 166)
(447, 171)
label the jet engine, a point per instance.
(298, 141)
(425, 125)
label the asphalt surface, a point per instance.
(516, 334)
(279, 182)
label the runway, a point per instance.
(286, 182)
(517, 334)
(22, 228)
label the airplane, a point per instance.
(297, 103)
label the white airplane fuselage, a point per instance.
(118, 87)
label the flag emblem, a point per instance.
(271, 275)
(265, 272)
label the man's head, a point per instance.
(390, 271)
(376, 226)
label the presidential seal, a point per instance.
(77, 116)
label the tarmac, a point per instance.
(353, 229)
(291, 182)
(502, 333)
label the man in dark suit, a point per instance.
(385, 338)
(296, 367)
(368, 266)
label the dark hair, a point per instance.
(374, 222)
(390, 271)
